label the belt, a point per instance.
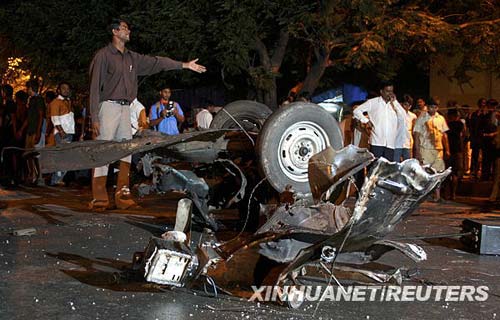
(120, 101)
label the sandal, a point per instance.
(98, 205)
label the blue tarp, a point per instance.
(348, 93)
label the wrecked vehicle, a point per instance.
(298, 151)
(301, 235)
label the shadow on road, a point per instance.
(118, 277)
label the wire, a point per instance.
(248, 210)
(248, 205)
(212, 283)
(444, 235)
(333, 264)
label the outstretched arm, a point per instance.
(192, 65)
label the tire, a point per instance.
(251, 115)
(290, 137)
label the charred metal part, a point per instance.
(183, 217)
(172, 235)
(175, 260)
(309, 224)
(329, 168)
(288, 196)
(393, 276)
(379, 276)
(196, 188)
(324, 218)
(328, 254)
(198, 151)
(376, 212)
(294, 297)
(182, 228)
(481, 236)
(166, 178)
(96, 153)
(240, 194)
(412, 251)
(147, 161)
(169, 262)
(207, 252)
(378, 209)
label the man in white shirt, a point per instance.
(385, 119)
(405, 152)
(63, 119)
(138, 118)
(204, 117)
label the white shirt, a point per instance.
(387, 121)
(204, 119)
(431, 130)
(410, 117)
(135, 110)
(66, 121)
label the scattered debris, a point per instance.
(24, 232)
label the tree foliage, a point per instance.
(57, 39)
(252, 43)
(381, 34)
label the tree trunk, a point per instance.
(270, 65)
(317, 70)
(271, 96)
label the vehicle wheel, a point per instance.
(251, 115)
(289, 138)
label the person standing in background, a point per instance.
(406, 152)
(495, 192)
(431, 140)
(138, 119)
(475, 134)
(63, 119)
(35, 130)
(204, 117)
(166, 115)
(456, 143)
(386, 122)
(49, 131)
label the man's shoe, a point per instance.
(100, 200)
(123, 199)
(98, 205)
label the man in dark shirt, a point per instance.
(7, 116)
(35, 132)
(488, 124)
(476, 134)
(113, 86)
(456, 145)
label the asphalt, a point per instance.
(72, 266)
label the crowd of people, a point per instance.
(30, 120)
(464, 138)
(440, 136)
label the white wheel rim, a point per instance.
(297, 145)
